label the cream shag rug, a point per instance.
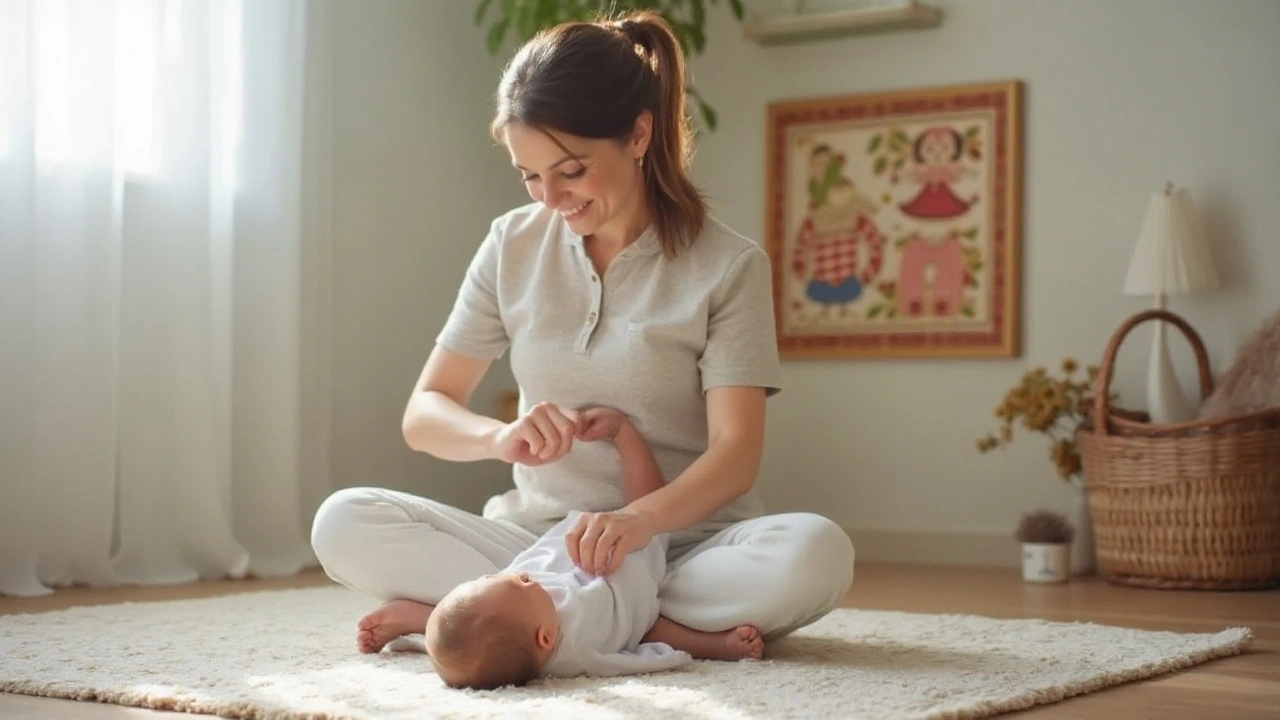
(291, 654)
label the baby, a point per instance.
(545, 616)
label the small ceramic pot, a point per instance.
(1046, 562)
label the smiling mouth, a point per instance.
(574, 213)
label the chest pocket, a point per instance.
(662, 357)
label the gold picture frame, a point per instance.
(894, 222)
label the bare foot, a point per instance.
(743, 642)
(739, 643)
(396, 618)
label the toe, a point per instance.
(368, 621)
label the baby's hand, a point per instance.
(600, 423)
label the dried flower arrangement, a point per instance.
(1044, 527)
(1051, 405)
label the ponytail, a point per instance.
(594, 80)
(679, 209)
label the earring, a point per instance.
(640, 161)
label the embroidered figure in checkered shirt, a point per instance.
(839, 250)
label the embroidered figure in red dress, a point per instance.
(937, 153)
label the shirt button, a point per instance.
(595, 279)
(591, 317)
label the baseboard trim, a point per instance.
(935, 548)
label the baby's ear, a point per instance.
(542, 637)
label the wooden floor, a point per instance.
(1246, 687)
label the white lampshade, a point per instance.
(1172, 256)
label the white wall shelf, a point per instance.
(803, 27)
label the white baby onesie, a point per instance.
(602, 619)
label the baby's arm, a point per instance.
(640, 472)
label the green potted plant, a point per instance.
(522, 19)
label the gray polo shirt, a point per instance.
(649, 337)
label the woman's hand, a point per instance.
(541, 436)
(598, 542)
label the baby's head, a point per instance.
(495, 631)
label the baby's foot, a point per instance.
(743, 642)
(396, 618)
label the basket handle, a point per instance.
(1102, 394)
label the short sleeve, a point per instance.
(474, 327)
(742, 346)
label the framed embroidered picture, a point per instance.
(893, 222)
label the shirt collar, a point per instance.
(646, 244)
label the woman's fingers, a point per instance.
(589, 544)
(598, 543)
(531, 437)
(594, 543)
(547, 431)
(627, 543)
(543, 435)
(606, 548)
(565, 429)
(573, 538)
(556, 427)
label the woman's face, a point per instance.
(595, 185)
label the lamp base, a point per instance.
(1166, 403)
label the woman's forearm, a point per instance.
(723, 473)
(437, 425)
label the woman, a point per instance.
(615, 288)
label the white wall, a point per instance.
(1121, 96)
(416, 182)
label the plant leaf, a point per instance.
(736, 6)
(881, 163)
(874, 144)
(708, 115)
(699, 37)
(481, 9)
(496, 31)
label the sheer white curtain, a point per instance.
(163, 277)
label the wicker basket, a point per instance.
(1193, 505)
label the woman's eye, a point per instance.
(528, 178)
(575, 174)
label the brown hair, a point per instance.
(593, 80)
(479, 650)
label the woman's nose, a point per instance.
(551, 195)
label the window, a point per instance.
(121, 83)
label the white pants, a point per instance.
(777, 572)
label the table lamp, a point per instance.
(1171, 257)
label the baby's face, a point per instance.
(516, 596)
